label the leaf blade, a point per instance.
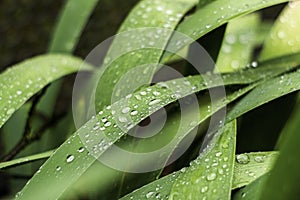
(23, 80)
(200, 181)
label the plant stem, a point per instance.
(29, 138)
(24, 160)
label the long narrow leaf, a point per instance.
(70, 161)
(126, 51)
(23, 80)
(214, 15)
(211, 174)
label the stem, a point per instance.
(29, 138)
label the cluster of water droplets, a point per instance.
(22, 81)
(155, 13)
(245, 159)
(212, 166)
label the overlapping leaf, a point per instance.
(23, 80)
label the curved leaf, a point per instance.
(70, 25)
(238, 43)
(211, 174)
(214, 15)
(126, 50)
(250, 166)
(114, 126)
(284, 178)
(285, 34)
(162, 187)
(25, 160)
(251, 191)
(270, 89)
(23, 80)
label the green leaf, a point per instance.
(203, 3)
(74, 15)
(210, 175)
(250, 166)
(251, 191)
(270, 89)
(285, 34)
(214, 15)
(238, 43)
(24, 160)
(71, 22)
(162, 187)
(22, 81)
(148, 103)
(127, 49)
(283, 182)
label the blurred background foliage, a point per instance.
(26, 27)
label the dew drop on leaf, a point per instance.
(10, 111)
(70, 158)
(211, 176)
(125, 110)
(81, 149)
(134, 112)
(218, 154)
(149, 195)
(242, 159)
(154, 101)
(204, 189)
(259, 159)
(107, 124)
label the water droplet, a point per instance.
(149, 194)
(225, 145)
(122, 119)
(221, 171)
(208, 26)
(235, 64)
(138, 97)
(251, 174)
(154, 101)
(211, 176)
(183, 169)
(58, 168)
(96, 127)
(243, 194)
(254, 64)
(107, 124)
(242, 158)
(19, 92)
(134, 112)
(70, 158)
(204, 189)
(218, 154)
(169, 12)
(159, 8)
(125, 110)
(231, 39)
(143, 93)
(10, 111)
(155, 93)
(281, 35)
(259, 159)
(81, 149)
